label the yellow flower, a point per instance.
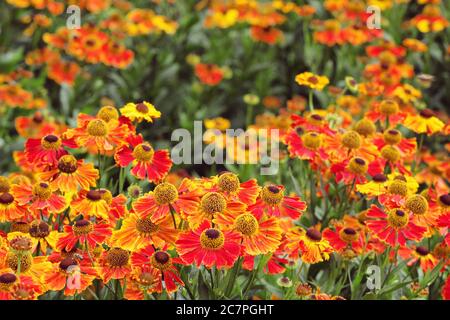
(140, 111)
(217, 123)
(424, 122)
(312, 80)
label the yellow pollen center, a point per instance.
(213, 202)
(108, 113)
(12, 261)
(348, 235)
(246, 224)
(143, 152)
(272, 195)
(229, 182)
(50, 142)
(146, 226)
(398, 187)
(351, 140)
(358, 166)
(117, 257)
(97, 128)
(392, 136)
(389, 107)
(417, 204)
(390, 153)
(212, 239)
(365, 127)
(165, 193)
(312, 140)
(42, 191)
(82, 227)
(397, 218)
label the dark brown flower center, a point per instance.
(360, 161)
(316, 117)
(273, 189)
(82, 223)
(40, 230)
(67, 262)
(427, 113)
(141, 107)
(379, 177)
(400, 213)
(94, 195)
(6, 198)
(38, 118)
(212, 233)
(51, 138)
(314, 234)
(162, 257)
(7, 278)
(422, 250)
(445, 199)
(350, 231)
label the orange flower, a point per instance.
(209, 246)
(10, 209)
(419, 254)
(114, 264)
(309, 244)
(71, 174)
(91, 203)
(269, 35)
(14, 287)
(98, 135)
(63, 72)
(147, 163)
(273, 201)
(40, 198)
(59, 276)
(158, 203)
(259, 236)
(161, 262)
(209, 74)
(85, 233)
(46, 151)
(394, 227)
(135, 233)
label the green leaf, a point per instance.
(10, 59)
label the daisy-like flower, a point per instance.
(142, 281)
(268, 34)
(135, 233)
(374, 187)
(425, 122)
(71, 174)
(114, 264)
(421, 254)
(209, 246)
(85, 233)
(163, 264)
(259, 236)
(157, 203)
(98, 135)
(10, 209)
(146, 162)
(46, 151)
(42, 232)
(140, 111)
(309, 245)
(345, 237)
(228, 183)
(305, 145)
(273, 201)
(91, 203)
(40, 197)
(209, 74)
(64, 271)
(351, 170)
(14, 287)
(311, 80)
(386, 111)
(212, 204)
(394, 227)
